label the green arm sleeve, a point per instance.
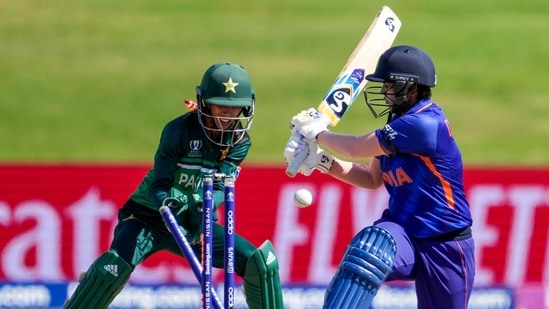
(165, 164)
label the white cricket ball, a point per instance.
(303, 198)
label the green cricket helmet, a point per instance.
(225, 84)
(403, 66)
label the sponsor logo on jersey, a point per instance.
(389, 132)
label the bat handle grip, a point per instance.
(291, 170)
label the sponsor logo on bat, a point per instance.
(342, 96)
(390, 23)
(339, 100)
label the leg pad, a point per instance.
(261, 280)
(365, 266)
(101, 283)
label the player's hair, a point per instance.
(423, 92)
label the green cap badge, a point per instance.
(226, 84)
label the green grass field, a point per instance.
(95, 81)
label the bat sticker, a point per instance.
(339, 100)
(390, 23)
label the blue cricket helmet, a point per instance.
(405, 63)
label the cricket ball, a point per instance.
(303, 198)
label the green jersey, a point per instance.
(184, 156)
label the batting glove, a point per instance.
(296, 144)
(309, 123)
(317, 159)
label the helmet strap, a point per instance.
(389, 116)
(402, 99)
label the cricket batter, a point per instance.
(211, 139)
(425, 233)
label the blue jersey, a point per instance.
(424, 173)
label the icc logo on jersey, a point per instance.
(195, 144)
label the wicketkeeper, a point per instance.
(211, 139)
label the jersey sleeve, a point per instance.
(165, 163)
(409, 134)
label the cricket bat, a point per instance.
(351, 80)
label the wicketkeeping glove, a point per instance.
(195, 236)
(309, 123)
(194, 218)
(177, 203)
(188, 213)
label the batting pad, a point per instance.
(102, 282)
(364, 267)
(262, 286)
